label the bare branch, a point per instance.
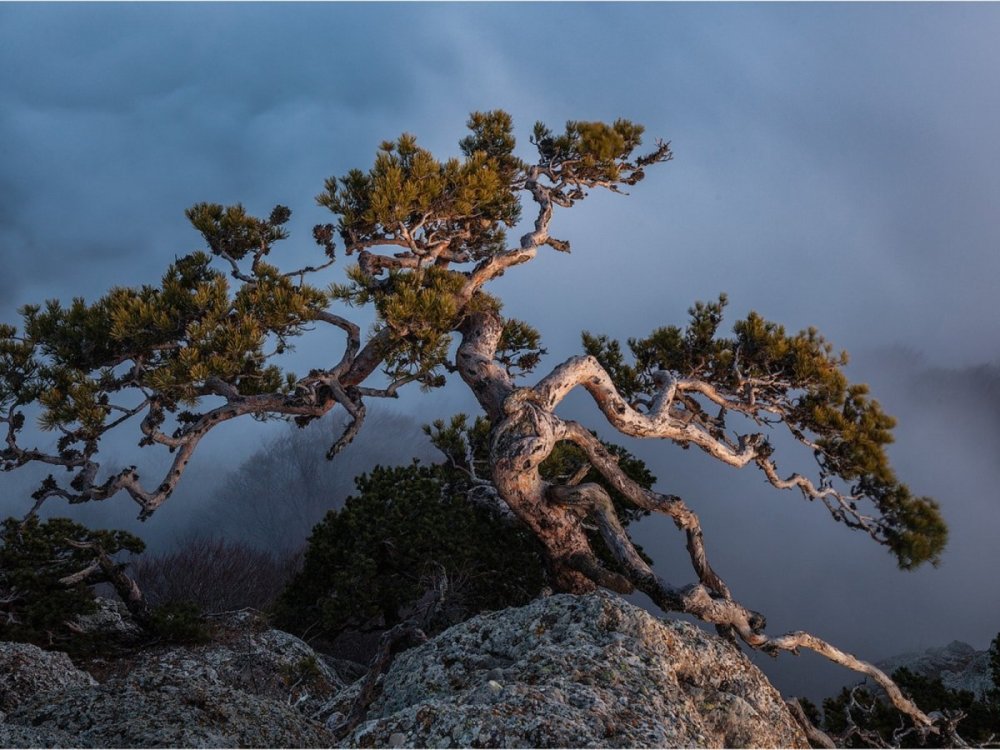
(236, 273)
(126, 588)
(670, 505)
(816, 737)
(390, 391)
(81, 575)
(353, 339)
(587, 372)
(308, 269)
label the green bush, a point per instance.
(36, 605)
(368, 565)
(179, 622)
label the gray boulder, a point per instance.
(564, 671)
(573, 671)
(251, 687)
(27, 671)
(13, 735)
(247, 655)
(166, 711)
(111, 619)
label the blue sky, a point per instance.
(835, 165)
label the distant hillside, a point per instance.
(958, 664)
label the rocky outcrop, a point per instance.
(110, 619)
(247, 655)
(251, 687)
(564, 671)
(15, 735)
(165, 710)
(27, 671)
(574, 671)
(959, 665)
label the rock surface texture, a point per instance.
(250, 687)
(564, 671)
(576, 671)
(27, 670)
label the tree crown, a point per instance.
(428, 235)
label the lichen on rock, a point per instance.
(576, 671)
(563, 671)
(27, 670)
(249, 687)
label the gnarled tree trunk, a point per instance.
(525, 430)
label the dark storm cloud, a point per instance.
(116, 119)
(835, 165)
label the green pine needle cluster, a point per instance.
(168, 339)
(590, 152)
(801, 376)
(408, 190)
(232, 232)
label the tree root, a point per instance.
(399, 638)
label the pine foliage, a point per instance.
(792, 379)
(37, 604)
(368, 564)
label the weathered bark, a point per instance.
(519, 443)
(488, 380)
(816, 737)
(126, 588)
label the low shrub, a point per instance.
(214, 575)
(47, 573)
(408, 531)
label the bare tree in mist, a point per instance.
(214, 574)
(275, 498)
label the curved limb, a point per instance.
(525, 432)
(664, 420)
(816, 737)
(307, 404)
(684, 518)
(125, 586)
(314, 396)
(355, 407)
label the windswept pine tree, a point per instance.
(427, 238)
